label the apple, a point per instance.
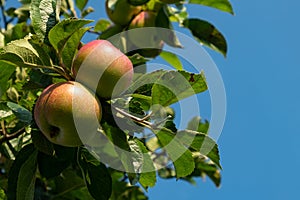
(147, 41)
(120, 11)
(103, 68)
(62, 103)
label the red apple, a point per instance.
(103, 68)
(120, 11)
(62, 103)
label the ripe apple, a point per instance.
(103, 68)
(147, 40)
(120, 11)
(62, 103)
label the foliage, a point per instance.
(39, 40)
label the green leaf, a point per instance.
(168, 35)
(81, 4)
(111, 31)
(22, 157)
(223, 5)
(5, 111)
(209, 169)
(172, 59)
(201, 143)
(144, 162)
(97, 177)
(6, 70)
(71, 46)
(102, 25)
(207, 34)
(182, 158)
(196, 124)
(26, 180)
(19, 31)
(87, 11)
(61, 32)
(41, 142)
(25, 53)
(138, 2)
(21, 113)
(44, 14)
(174, 86)
(2, 194)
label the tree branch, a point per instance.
(7, 137)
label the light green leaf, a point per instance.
(182, 158)
(174, 86)
(21, 113)
(102, 25)
(81, 4)
(71, 46)
(61, 32)
(223, 5)
(207, 34)
(6, 70)
(44, 14)
(26, 180)
(5, 111)
(172, 59)
(201, 143)
(195, 124)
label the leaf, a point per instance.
(182, 158)
(44, 14)
(26, 179)
(21, 113)
(19, 31)
(25, 53)
(168, 34)
(41, 142)
(6, 70)
(71, 46)
(144, 163)
(102, 25)
(5, 111)
(174, 86)
(196, 124)
(223, 5)
(97, 177)
(81, 4)
(209, 169)
(22, 157)
(61, 32)
(207, 34)
(201, 143)
(172, 59)
(138, 2)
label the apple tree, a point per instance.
(87, 119)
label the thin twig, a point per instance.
(4, 16)
(8, 137)
(3, 128)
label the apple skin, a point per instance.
(147, 41)
(122, 13)
(58, 106)
(103, 68)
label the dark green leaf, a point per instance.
(81, 4)
(97, 177)
(201, 143)
(61, 32)
(20, 160)
(50, 166)
(209, 169)
(19, 31)
(182, 158)
(71, 47)
(207, 34)
(138, 2)
(6, 70)
(44, 15)
(223, 5)
(174, 86)
(21, 113)
(41, 142)
(172, 59)
(196, 124)
(111, 31)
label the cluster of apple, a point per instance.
(147, 43)
(60, 103)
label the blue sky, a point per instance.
(260, 141)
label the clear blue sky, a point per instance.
(260, 141)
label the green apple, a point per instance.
(103, 68)
(120, 11)
(147, 40)
(65, 109)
